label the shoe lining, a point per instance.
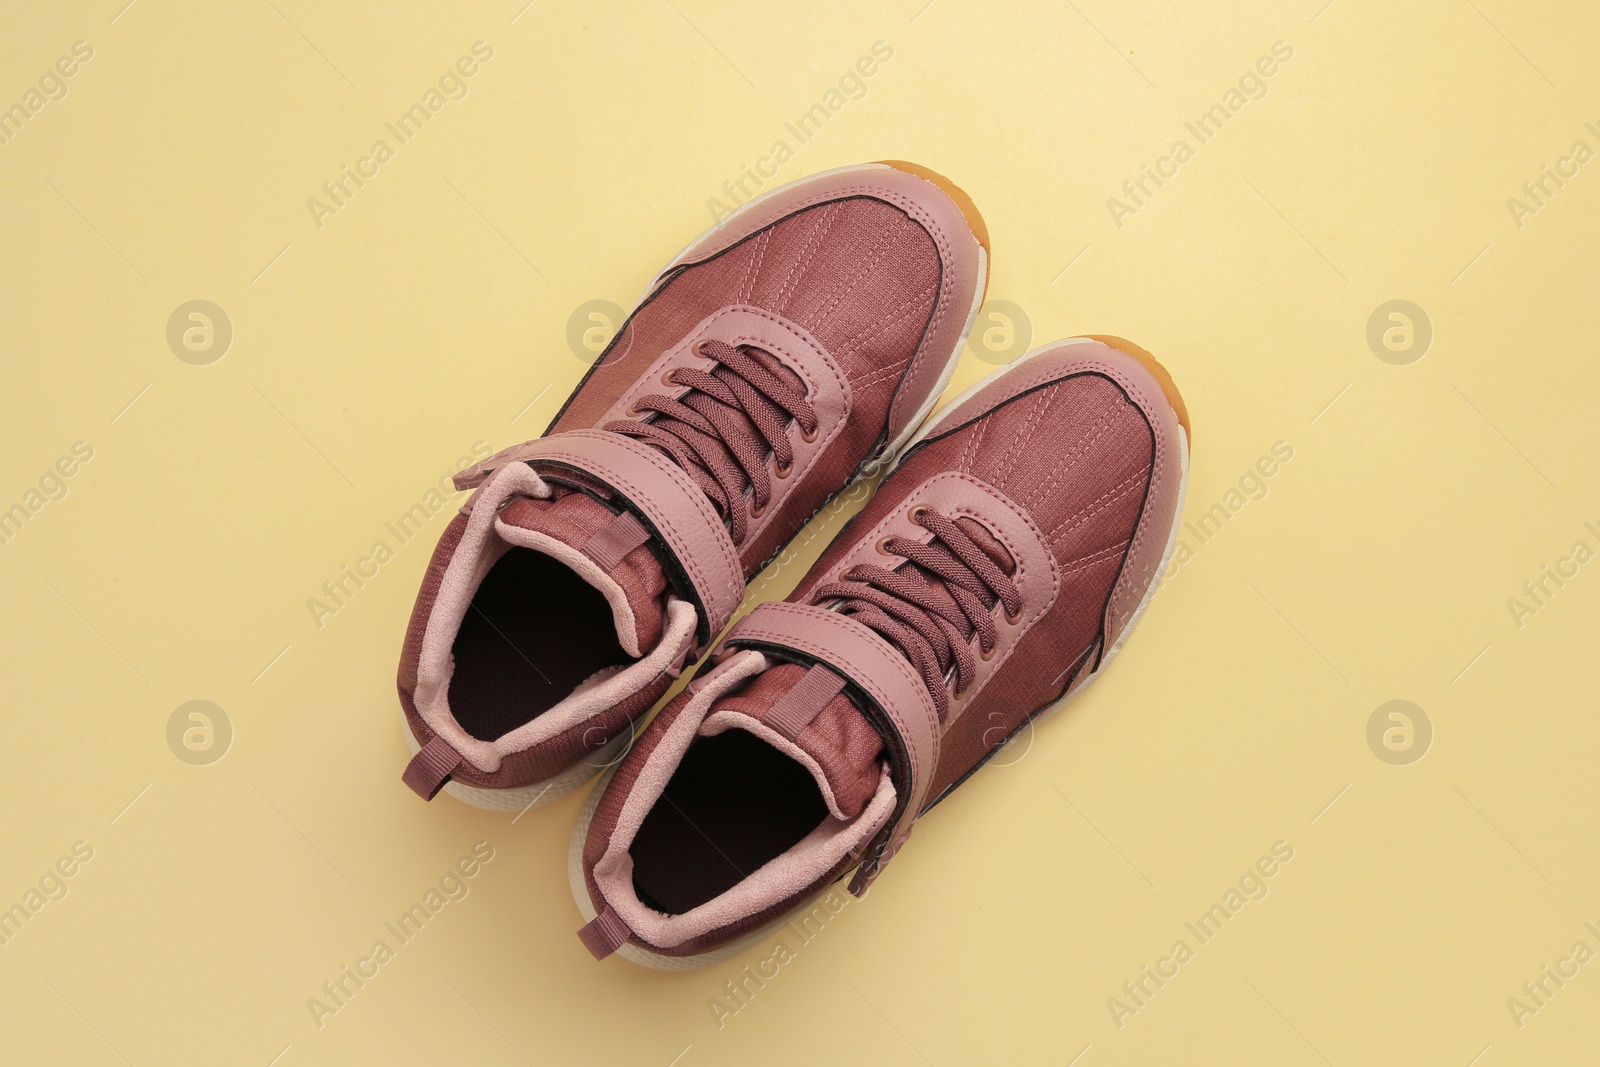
(534, 632)
(733, 804)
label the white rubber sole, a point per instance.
(528, 796)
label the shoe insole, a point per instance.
(534, 631)
(734, 803)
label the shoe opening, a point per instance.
(723, 817)
(734, 803)
(534, 632)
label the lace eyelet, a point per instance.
(808, 438)
(666, 379)
(1014, 619)
(986, 656)
(883, 545)
(757, 512)
(783, 471)
(916, 513)
(632, 413)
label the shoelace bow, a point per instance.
(723, 429)
(933, 606)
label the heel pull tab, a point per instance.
(605, 934)
(431, 768)
(607, 548)
(795, 710)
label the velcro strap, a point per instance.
(906, 711)
(431, 768)
(674, 508)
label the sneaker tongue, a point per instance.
(571, 518)
(845, 748)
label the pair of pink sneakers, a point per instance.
(793, 349)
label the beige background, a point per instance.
(431, 312)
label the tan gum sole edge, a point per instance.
(1169, 389)
(980, 232)
(969, 210)
(1159, 372)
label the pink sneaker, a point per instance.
(782, 355)
(1000, 566)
